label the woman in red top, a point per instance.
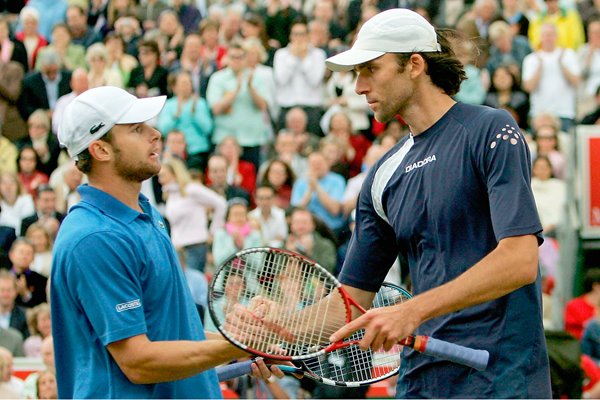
(239, 172)
(29, 36)
(281, 176)
(354, 145)
(29, 175)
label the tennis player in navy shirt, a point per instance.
(123, 319)
(454, 197)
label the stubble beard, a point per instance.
(133, 172)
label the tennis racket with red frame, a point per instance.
(349, 366)
(281, 305)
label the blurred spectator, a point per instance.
(120, 8)
(354, 145)
(188, 113)
(192, 61)
(11, 315)
(341, 96)
(31, 286)
(217, 176)
(11, 77)
(238, 99)
(231, 26)
(513, 13)
(45, 212)
(42, 140)
(31, 382)
(546, 140)
(549, 194)
(12, 50)
(79, 84)
(81, 33)
(254, 31)
(256, 57)
(71, 55)
(42, 89)
(100, 72)
(42, 244)
(237, 234)
(68, 179)
(175, 146)
(189, 15)
(118, 60)
(12, 340)
(286, 149)
(551, 76)
(148, 78)
(299, 71)
(333, 151)
(129, 30)
(270, 218)
(580, 310)
(321, 192)
(97, 15)
(593, 118)
(296, 121)
(506, 48)
(188, 206)
(15, 202)
(8, 152)
(29, 35)
(212, 51)
(46, 386)
(567, 23)
(239, 172)
(474, 88)
(475, 24)
(304, 239)
(324, 12)
(278, 16)
(29, 175)
(40, 327)
(10, 385)
(12, 8)
(374, 153)
(171, 31)
(319, 37)
(149, 11)
(588, 11)
(505, 92)
(51, 12)
(281, 177)
(589, 59)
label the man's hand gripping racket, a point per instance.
(286, 307)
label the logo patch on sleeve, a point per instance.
(129, 305)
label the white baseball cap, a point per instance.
(94, 112)
(392, 31)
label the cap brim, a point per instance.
(348, 59)
(143, 110)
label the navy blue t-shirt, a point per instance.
(444, 199)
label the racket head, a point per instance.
(285, 306)
(351, 366)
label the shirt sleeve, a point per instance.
(106, 265)
(505, 165)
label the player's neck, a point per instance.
(127, 192)
(426, 109)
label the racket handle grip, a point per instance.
(232, 371)
(477, 359)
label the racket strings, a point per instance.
(288, 303)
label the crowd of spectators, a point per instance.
(262, 146)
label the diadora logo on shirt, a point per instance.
(129, 305)
(420, 164)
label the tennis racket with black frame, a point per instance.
(277, 304)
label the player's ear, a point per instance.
(417, 65)
(100, 150)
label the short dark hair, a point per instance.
(591, 277)
(149, 44)
(444, 68)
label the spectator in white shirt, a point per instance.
(299, 71)
(271, 218)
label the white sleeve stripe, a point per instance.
(384, 174)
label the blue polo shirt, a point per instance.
(116, 275)
(444, 199)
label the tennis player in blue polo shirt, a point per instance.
(123, 319)
(454, 197)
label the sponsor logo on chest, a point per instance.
(420, 164)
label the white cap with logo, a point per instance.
(392, 31)
(94, 112)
